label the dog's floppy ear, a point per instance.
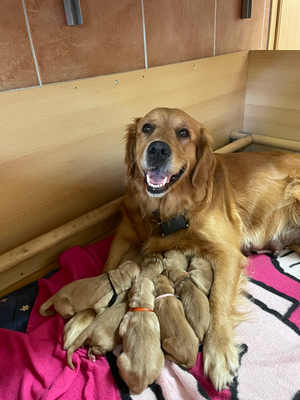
(130, 139)
(206, 161)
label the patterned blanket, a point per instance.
(33, 364)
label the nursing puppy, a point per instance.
(178, 339)
(93, 293)
(81, 320)
(151, 267)
(175, 259)
(142, 359)
(76, 325)
(102, 335)
(201, 274)
(194, 301)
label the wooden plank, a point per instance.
(234, 146)
(62, 145)
(272, 104)
(50, 239)
(288, 27)
(38, 266)
(269, 141)
(15, 285)
(272, 24)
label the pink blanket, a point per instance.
(33, 365)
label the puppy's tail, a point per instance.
(44, 307)
(76, 344)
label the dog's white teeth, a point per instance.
(156, 186)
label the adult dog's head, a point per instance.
(167, 151)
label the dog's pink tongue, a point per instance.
(158, 177)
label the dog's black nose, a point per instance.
(159, 151)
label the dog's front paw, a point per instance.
(221, 359)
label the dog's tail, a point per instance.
(78, 342)
(44, 307)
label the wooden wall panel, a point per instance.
(61, 145)
(272, 105)
(287, 25)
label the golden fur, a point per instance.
(234, 203)
(201, 274)
(194, 301)
(102, 335)
(97, 291)
(151, 267)
(81, 320)
(178, 339)
(142, 359)
(76, 325)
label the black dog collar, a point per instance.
(173, 225)
(114, 297)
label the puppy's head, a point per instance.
(162, 285)
(122, 277)
(130, 268)
(175, 259)
(175, 275)
(142, 293)
(165, 147)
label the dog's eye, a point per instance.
(184, 133)
(147, 128)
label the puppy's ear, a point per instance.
(206, 161)
(130, 139)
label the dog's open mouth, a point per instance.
(158, 181)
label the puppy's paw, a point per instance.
(76, 325)
(221, 360)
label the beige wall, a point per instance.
(111, 40)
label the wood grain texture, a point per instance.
(62, 147)
(272, 105)
(40, 265)
(288, 27)
(272, 24)
(64, 232)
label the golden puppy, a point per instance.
(178, 339)
(93, 293)
(142, 359)
(81, 320)
(179, 194)
(151, 267)
(102, 335)
(175, 259)
(194, 301)
(201, 274)
(76, 325)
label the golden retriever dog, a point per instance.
(194, 301)
(102, 335)
(181, 195)
(178, 340)
(142, 359)
(95, 293)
